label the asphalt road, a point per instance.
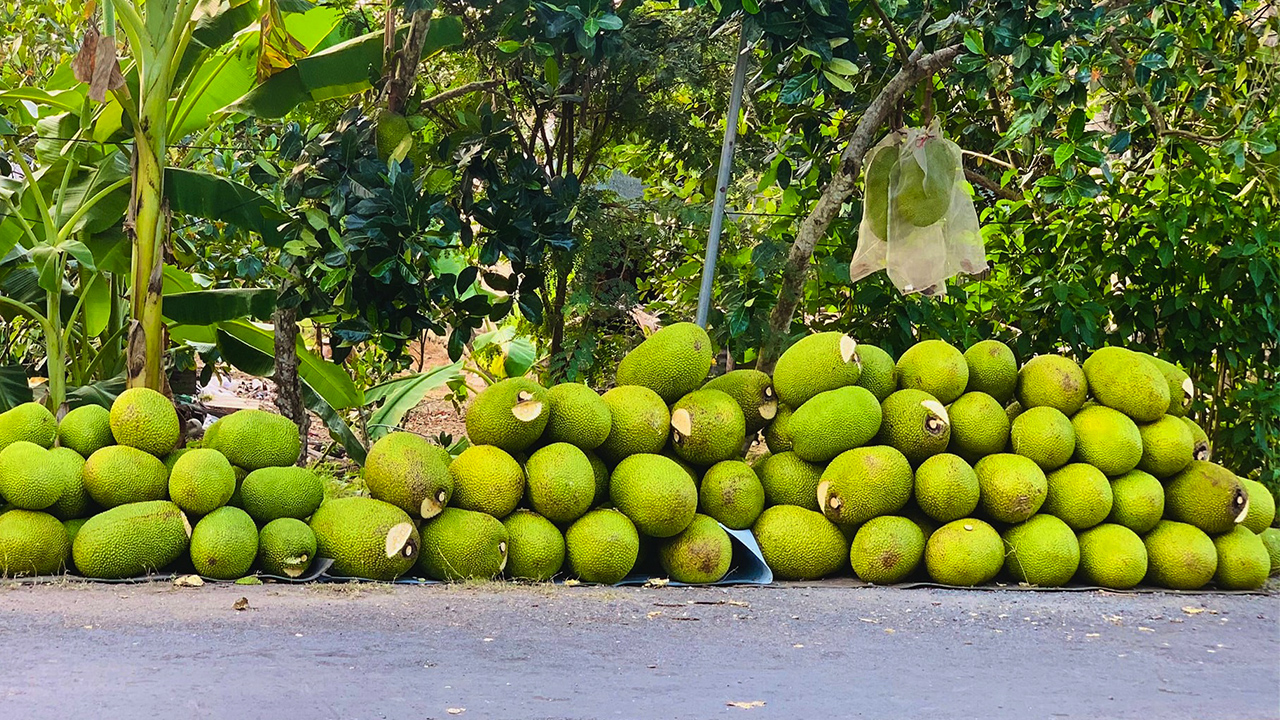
(499, 651)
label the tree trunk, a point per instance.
(404, 64)
(814, 227)
(288, 384)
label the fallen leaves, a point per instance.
(455, 711)
(241, 605)
(745, 705)
(193, 581)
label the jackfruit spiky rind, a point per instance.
(1137, 501)
(672, 362)
(935, 367)
(835, 421)
(486, 479)
(1207, 496)
(964, 553)
(816, 364)
(914, 422)
(119, 475)
(535, 549)
(979, 426)
(86, 429)
(1107, 439)
(1041, 551)
(731, 494)
(799, 544)
(753, 391)
(27, 480)
(1052, 381)
(1079, 495)
(30, 422)
(578, 416)
(32, 543)
(1126, 381)
(639, 423)
(993, 370)
(777, 434)
(1181, 389)
(1179, 556)
(410, 473)
(255, 439)
(701, 553)
(74, 501)
(561, 482)
(353, 532)
(602, 546)
(1243, 560)
(272, 493)
(1112, 556)
(879, 371)
(946, 487)
(887, 550)
(145, 419)
(864, 483)
(656, 494)
(286, 548)
(496, 416)
(789, 479)
(717, 429)
(201, 481)
(1013, 488)
(1168, 446)
(131, 540)
(224, 544)
(1271, 539)
(1262, 506)
(462, 545)
(1045, 435)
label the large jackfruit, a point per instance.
(510, 414)
(1207, 496)
(777, 435)
(993, 370)
(863, 483)
(946, 488)
(816, 364)
(1012, 487)
(639, 423)
(202, 481)
(366, 538)
(915, 423)
(1052, 381)
(1079, 494)
(1167, 446)
(879, 371)
(1262, 506)
(708, 427)
(86, 429)
(1044, 435)
(31, 422)
(1243, 561)
(602, 546)
(964, 552)
(753, 391)
(486, 479)
(145, 419)
(1041, 551)
(1107, 439)
(255, 439)
(561, 482)
(74, 501)
(535, 546)
(286, 548)
(224, 544)
(579, 416)
(979, 426)
(1126, 381)
(119, 475)
(462, 545)
(731, 494)
(131, 540)
(701, 553)
(887, 549)
(789, 479)
(32, 543)
(410, 473)
(835, 421)
(27, 479)
(936, 368)
(1179, 556)
(1137, 501)
(799, 544)
(281, 492)
(1182, 391)
(672, 362)
(655, 493)
(1112, 556)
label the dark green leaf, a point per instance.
(206, 307)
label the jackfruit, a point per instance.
(144, 419)
(224, 544)
(1179, 556)
(1203, 449)
(1207, 496)
(1181, 388)
(639, 423)
(32, 543)
(879, 169)
(74, 501)
(993, 370)
(964, 552)
(1243, 561)
(1167, 446)
(73, 528)
(707, 427)
(777, 436)
(753, 391)
(601, 473)
(286, 548)
(1044, 435)
(887, 549)
(118, 475)
(1137, 501)
(27, 481)
(1126, 381)
(790, 480)
(1013, 410)
(731, 494)
(202, 481)
(486, 479)
(655, 493)
(1271, 539)
(701, 553)
(561, 483)
(799, 544)
(30, 422)
(1012, 487)
(923, 193)
(864, 483)
(816, 364)
(835, 421)
(946, 488)
(281, 492)
(1107, 439)
(86, 430)
(131, 540)
(172, 458)
(462, 545)
(578, 416)
(1052, 381)
(602, 546)
(879, 371)
(410, 473)
(241, 474)
(1112, 556)
(1042, 551)
(256, 439)
(1079, 495)
(535, 546)
(979, 426)
(510, 414)
(915, 423)
(1262, 506)
(366, 538)
(672, 362)
(936, 368)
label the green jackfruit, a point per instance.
(1052, 381)
(1079, 495)
(366, 538)
(915, 423)
(1112, 556)
(1271, 539)
(224, 544)
(1012, 487)
(879, 170)
(1044, 435)
(887, 549)
(946, 488)
(672, 362)
(579, 416)
(816, 364)
(286, 548)
(30, 422)
(777, 436)
(535, 546)
(790, 480)
(1207, 496)
(510, 414)
(118, 475)
(202, 481)
(1203, 449)
(1262, 506)
(602, 546)
(993, 370)
(731, 494)
(936, 368)
(143, 418)
(462, 545)
(410, 473)
(655, 493)
(86, 429)
(639, 423)
(256, 439)
(27, 479)
(879, 371)
(1041, 551)
(835, 421)
(486, 479)
(1167, 446)
(1107, 439)
(1243, 561)
(74, 501)
(601, 473)
(131, 540)
(707, 427)
(32, 543)
(753, 391)
(1137, 501)
(964, 552)
(922, 195)
(1179, 556)
(561, 482)
(701, 553)
(1182, 391)
(799, 544)
(281, 492)
(863, 483)
(1126, 381)
(979, 426)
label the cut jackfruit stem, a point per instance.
(824, 487)
(398, 540)
(1241, 500)
(1201, 451)
(186, 524)
(502, 548)
(527, 410)
(295, 566)
(682, 421)
(769, 410)
(432, 507)
(849, 350)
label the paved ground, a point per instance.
(496, 651)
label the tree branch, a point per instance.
(459, 91)
(1153, 110)
(978, 178)
(405, 62)
(898, 42)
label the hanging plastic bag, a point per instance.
(918, 221)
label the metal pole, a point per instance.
(722, 180)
